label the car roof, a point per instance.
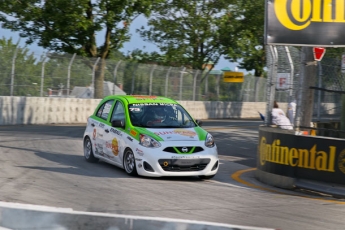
(138, 99)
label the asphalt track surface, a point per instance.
(44, 165)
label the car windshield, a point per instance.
(159, 115)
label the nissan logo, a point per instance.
(184, 149)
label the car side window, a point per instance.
(104, 110)
(119, 112)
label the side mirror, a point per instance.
(199, 122)
(118, 124)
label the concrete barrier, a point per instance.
(284, 157)
(49, 110)
(45, 110)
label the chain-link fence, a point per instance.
(287, 83)
(56, 75)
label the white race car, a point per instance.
(150, 136)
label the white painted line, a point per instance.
(130, 217)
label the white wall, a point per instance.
(45, 110)
(48, 110)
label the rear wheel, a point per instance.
(88, 153)
(206, 177)
(129, 163)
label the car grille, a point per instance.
(178, 150)
(182, 165)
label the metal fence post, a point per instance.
(217, 86)
(69, 74)
(206, 86)
(42, 76)
(319, 91)
(93, 75)
(133, 80)
(271, 84)
(13, 70)
(151, 76)
(115, 73)
(166, 81)
(181, 82)
(292, 70)
(194, 83)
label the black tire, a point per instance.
(206, 177)
(88, 152)
(129, 163)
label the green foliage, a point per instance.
(71, 26)
(66, 26)
(246, 43)
(19, 66)
(188, 32)
(334, 52)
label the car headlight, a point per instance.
(209, 142)
(148, 141)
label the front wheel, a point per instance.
(88, 153)
(206, 177)
(129, 163)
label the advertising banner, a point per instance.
(301, 156)
(283, 80)
(229, 76)
(305, 22)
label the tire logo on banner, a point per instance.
(341, 161)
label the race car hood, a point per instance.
(176, 134)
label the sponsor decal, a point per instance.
(99, 150)
(99, 135)
(138, 159)
(185, 157)
(142, 97)
(133, 133)
(94, 134)
(143, 104)
(298, 14)
(139, 151)
(129, 138)
(117, 132)
(101, 125)
(183, 132)
(114, 146)
(303, 158)
(152, 104)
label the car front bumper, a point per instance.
(158, 163)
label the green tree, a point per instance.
(19, 70)
(71, 26)
(188, 32)
(246, 42)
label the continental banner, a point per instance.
(298, 156)
(305, 22)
